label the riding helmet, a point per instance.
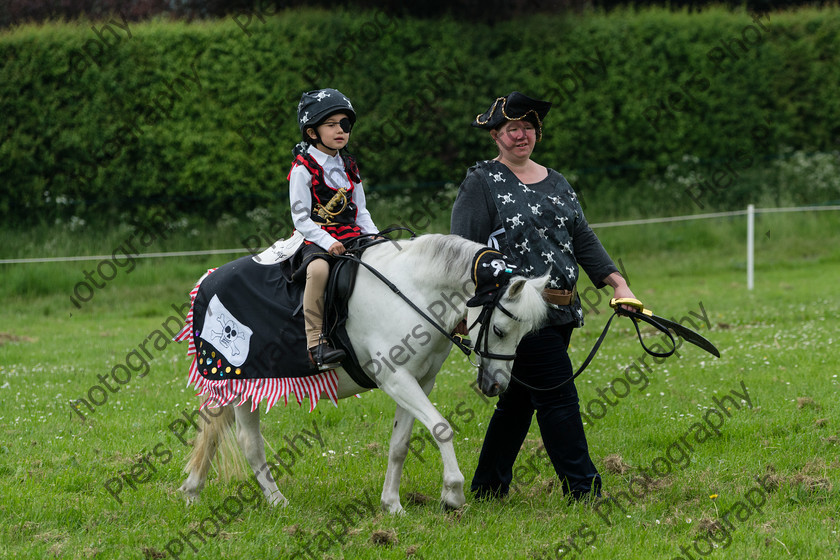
(316, 105)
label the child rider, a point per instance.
(328, 205)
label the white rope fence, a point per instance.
(669, 219)
(712, 215)
(750, 212)
(137, 256)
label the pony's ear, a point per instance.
(540, 283)
(516, 286)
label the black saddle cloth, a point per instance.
(248, 321)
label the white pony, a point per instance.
(434, 272)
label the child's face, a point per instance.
(332, 135)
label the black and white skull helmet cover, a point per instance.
(316, 105)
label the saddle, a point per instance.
(340, 287)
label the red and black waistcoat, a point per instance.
(340, 218)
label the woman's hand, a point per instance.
(625, 293)
(621, 289)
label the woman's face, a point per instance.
(515, 139)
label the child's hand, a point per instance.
(337, 248)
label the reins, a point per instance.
(618, 311)
(353, 257)
(483, 318)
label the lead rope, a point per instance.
(634, 315)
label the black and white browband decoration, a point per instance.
(491, 275)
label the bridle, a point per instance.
(483, 337)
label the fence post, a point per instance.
(750, 246)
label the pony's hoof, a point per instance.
(394, 508)
(278, 500)
(190, 496)
(451, 501)
(447, 507)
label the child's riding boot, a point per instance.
(323, 354)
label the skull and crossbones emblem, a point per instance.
(230, 333)
(498, 266)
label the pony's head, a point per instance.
(497, 326)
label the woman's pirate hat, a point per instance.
(514, 106)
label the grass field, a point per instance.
(726, 477)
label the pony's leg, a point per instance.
(400, 438)
(204, 448)
(250, 441)
(403, 422)
(406, 391)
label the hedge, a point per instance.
(116, 120)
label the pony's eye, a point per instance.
(498, 332)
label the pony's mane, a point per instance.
(441, 252)
(453, 253)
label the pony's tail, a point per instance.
(216, 438)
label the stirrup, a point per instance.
(325, 356)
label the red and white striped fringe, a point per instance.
(222, 392)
